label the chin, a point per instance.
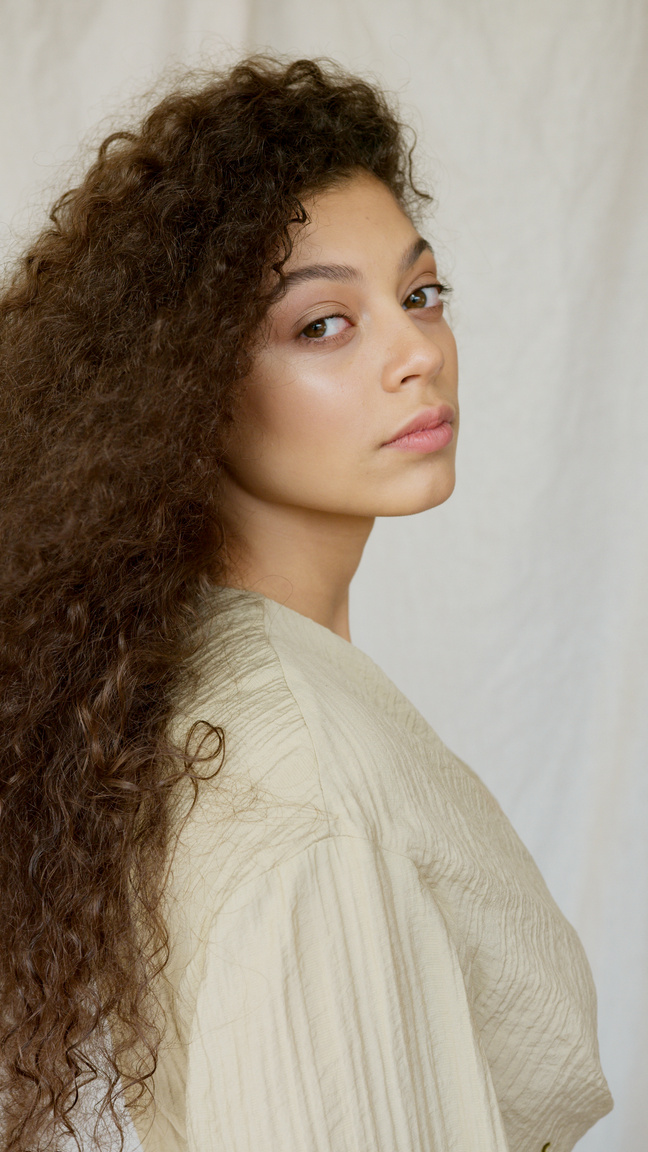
(428, 496)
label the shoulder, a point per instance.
(315, 738)
(316, 721)
(319, 742)
(265, 804)
(288, 690)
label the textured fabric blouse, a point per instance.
(364, 956)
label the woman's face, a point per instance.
(356, 349)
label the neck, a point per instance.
(301, 557)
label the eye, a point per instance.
(325, 327)
(427, 296)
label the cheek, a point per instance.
(303, 412)
(451, 359)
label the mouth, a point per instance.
(430, 431)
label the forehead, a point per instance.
(361, 216)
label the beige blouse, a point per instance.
(364, 957)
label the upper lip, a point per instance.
(429, 418)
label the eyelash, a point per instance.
(443, 290)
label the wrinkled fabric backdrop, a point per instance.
(515, 616)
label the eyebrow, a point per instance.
(343, 273)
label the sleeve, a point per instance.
(332, 1016)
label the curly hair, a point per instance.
(125, 331)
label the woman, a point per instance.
(243, 882)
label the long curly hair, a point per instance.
(125, 333)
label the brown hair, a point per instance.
(124, 333)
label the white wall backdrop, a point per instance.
(515, 616)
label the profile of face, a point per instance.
(355, 351)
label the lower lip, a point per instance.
(428, 440)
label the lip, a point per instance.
(425, 421)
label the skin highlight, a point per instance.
(356, 347)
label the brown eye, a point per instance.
(324, 328)
(317, 328)
(427, 296)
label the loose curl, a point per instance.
(125, 333)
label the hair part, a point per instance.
(125, 331)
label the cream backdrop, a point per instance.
(515, 616)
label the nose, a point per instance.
(411, 354)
